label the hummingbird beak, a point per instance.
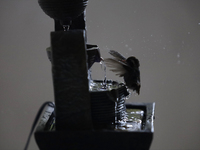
(138, 87)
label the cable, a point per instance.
(36, 120)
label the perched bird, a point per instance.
(127, 68)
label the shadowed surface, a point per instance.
(70, 80)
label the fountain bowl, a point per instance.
(63, 10)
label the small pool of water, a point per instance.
(95, 85)
(132, 120)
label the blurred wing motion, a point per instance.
(117, 55)
(117, 64)
(127, 68)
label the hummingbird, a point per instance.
(128, 68)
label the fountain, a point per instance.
(83, 117)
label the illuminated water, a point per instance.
(132, 120)
(66, 27)
(103, 86)
(103, 66)
(125, 119)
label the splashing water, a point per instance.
(104, 69)
(66, 27)
(90, 81)
(104, 84)
(99, 86)
(132, 120)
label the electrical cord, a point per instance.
(36, 120)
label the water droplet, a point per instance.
(126, 45)
(188, 32)
(178, 55)
(66, 27)
(130, 49)
(103, 65)
(129, 125)
(199, 23)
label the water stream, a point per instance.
(103, 67)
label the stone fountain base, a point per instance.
(106, 139)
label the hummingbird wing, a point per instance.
(116, 66)
(117, 55)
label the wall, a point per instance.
(163, 35)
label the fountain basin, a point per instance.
(63, 10)
(108, 139)
(107, 103)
